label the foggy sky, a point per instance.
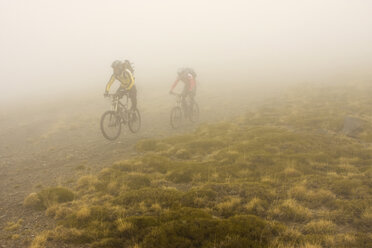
(57, 47)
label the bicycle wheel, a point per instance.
(176, 117)
(194, 112)
(110, 125)
(134, 121)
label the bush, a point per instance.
(256, 206)
(204, 231)
(158, 163)
(165, 197)
(33, 201)
(183, 154)
(146, 145)
(138, 181)
(199, 198)
(290, 210)
(49, 197)
(319, 227)
(181, 175)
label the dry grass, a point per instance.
(83, 213)
(291, 172)
(290, 210)
(256, 206)
(40, 240)
(123, 225)
(367, 214)
(286, 173)
(320, 227)
(13, 226)
(309, 245)
(227, 207)
(33, 201)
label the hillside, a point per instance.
(55, 142)
(296, 172)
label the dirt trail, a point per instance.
(57, 144)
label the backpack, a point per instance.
(129, 66)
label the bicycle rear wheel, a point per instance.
(134, 121)
(110, 125)
(176, 117)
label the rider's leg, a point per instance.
(190, 103)
(184, 105)
(133, 97)
(184, 94)
(193, 93)
(120, 92)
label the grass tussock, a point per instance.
(287, 175)
(13, 226)
(320, 227)
(40, 240)
(290, 210)
(48, 197)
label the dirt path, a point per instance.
(57, 144)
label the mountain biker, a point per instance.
(123, 72)
(187, 76)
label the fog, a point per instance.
(268, 148)
(59, 48)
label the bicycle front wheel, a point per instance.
(134, 121)
(176, 117)
(110, 125)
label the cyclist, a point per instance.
(187, 76)
(123, 72)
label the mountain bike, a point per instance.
(183, 111)
(112, 120)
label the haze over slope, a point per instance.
(285, 175)
(57, 48)
(55, 59)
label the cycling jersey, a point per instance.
(125, 78)
(188, 79)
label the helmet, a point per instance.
(116, 63)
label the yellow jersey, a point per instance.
(125, 78)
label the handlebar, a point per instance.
(116, 95)
(110, 95)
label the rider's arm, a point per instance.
(110, 82)
(191, 81)
(175, 84)
(131, 79)
(192, 84)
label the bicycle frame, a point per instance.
(179, 101)
(183, 105)
(119, 115)
(116, 103)
(119, 108)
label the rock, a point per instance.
(353, 126)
